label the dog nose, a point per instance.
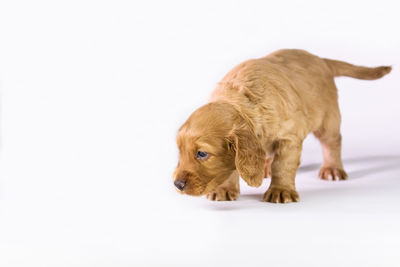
(180, 184)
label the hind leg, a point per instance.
(331, 142)
(268, 163)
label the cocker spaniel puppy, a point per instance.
(255, 124)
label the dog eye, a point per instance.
(201, 155)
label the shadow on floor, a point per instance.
(373, 164)
(382, 159)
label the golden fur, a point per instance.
(256, 121)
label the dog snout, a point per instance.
(180, 184)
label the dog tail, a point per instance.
(340, 68)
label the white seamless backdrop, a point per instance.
(93, 92)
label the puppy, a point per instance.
(255, 124)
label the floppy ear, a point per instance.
(249, 155)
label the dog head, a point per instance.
(213, 142)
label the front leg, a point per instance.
(284, 166)
(228, 190)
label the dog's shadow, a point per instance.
(381, 163)
(371, 165)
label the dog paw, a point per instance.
(276, 194)
(222, 195)
(332, 174)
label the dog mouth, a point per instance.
(196, 186)
(193, 186)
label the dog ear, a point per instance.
(249, 155)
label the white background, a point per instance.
(92, 95)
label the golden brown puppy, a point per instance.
(255, 124)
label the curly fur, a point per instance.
(266, 107)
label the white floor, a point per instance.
(99, 219)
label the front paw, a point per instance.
(223, 195)
(332, 174)
(280, 194)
